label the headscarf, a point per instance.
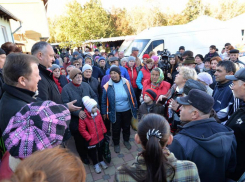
(160, 79)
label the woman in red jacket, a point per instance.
(156, 82)
(133, 73)
(92, 128)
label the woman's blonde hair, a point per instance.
(188, 73)
(50, 165)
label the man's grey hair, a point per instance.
(70, 66)
(241, 82)
(39, 47)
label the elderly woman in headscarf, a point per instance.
(156, 82)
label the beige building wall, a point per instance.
(32, 13)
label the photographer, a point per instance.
(164, 63)
(172, 72)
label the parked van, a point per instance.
(196, 36)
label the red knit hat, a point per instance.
(151, 93)
(146, 56)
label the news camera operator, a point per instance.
(164, 62)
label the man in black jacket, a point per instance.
(237, 121)
(48, 90)
(21, 76)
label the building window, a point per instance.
(5, 35)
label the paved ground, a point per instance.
(125, 156)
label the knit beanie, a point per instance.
(131, 58)
(74, 62)
(155, 58)
(151, 93)
(205, 77)
(87, 67)
(124, 59)
(89, 103)
(101, 58)
(54, 66)
(74, 73)
(146, 56)
(116, 69)
(2, 51)
(96, 57)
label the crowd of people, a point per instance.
(189, 108)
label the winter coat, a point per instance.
(63, 80)
(124, 72)
(1, 83)
(173, 74)
(223, 100)
(69, 93)
(94, 84)
(132, 74)
(237, 123)
(92, 128)
(161, 90)
(65, 65)
(12, 101)
(97, 73)
(47, 88)
(109, 94)
(210, 145)
(209, 55)
(143, 75)
(103, 70)
(211, 72)
(155, 108)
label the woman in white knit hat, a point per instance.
(87, 71)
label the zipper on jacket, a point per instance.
(96, 130)
(115, 103)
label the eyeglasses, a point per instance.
(76, 64)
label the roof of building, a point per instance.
(7, 14)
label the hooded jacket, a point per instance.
(94, 84)
(92, 128)
(109, 94)
(132, 74)
(211, 146)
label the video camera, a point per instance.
(164, 63)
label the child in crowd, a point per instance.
(149, 105)
(156, 163)
(92, 128)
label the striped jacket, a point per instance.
(184, 170)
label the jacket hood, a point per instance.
(217, 144)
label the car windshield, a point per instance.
(139, 43)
